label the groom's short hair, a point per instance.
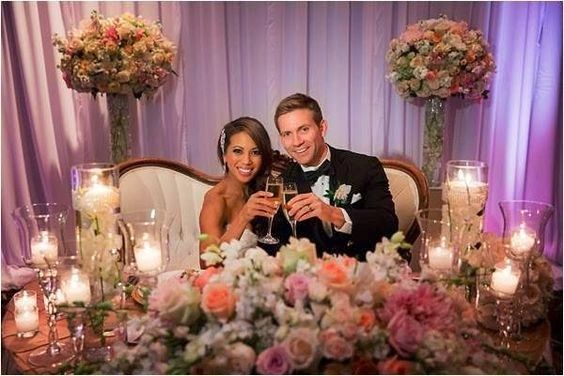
(298, 101)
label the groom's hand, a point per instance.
(307, 205)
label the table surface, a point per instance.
(534, 345)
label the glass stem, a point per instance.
(270, 225)
(293, 223)
(54, 348)
(505, 321)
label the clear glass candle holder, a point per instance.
(147, 242)
(96, 202)
(26, 314)
(438, 252)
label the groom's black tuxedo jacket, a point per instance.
(372, 216)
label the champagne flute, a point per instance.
(290, 191)
(275, 186)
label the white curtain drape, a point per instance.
(238, 58)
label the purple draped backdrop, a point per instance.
(239, 59)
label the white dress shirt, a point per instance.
(319, 189)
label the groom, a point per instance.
(343, 203)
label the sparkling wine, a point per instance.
(276, 190)
(288, 195)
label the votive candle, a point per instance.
(148, 255)
(505, 279)
(27, 322)
(76, 287)
(522, 240)
(440, 257)
(25, 300)
(44, 246)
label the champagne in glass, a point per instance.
(275, 186)
(290, 191)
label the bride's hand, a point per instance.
(258, 204)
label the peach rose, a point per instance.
(334, 275)
(219, 300)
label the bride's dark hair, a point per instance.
(259, 135)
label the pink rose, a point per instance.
(296, 287)
(274, 361)
(333, 346)
(405, 333)
(219, 300)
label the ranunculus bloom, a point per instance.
(334, 275)
(301, 345)
(296, 285)
(274, 361)
(219, 300)
(405, 333)
(394, 366)
(366, 318)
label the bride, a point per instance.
(231, 207)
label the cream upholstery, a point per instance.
(175, 188)
(180, 190)
(410, 193)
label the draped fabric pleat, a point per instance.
(241, 58)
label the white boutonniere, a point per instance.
(340, 196)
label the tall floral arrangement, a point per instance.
(436, 59)
(117, 55)
(294, 313)
(440, 57)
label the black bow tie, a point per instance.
(312, 176)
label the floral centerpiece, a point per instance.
(436, 59)
(117, 56)
(294, 313)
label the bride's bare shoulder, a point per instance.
(215, 196)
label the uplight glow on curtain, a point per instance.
(241, 58)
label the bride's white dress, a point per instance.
(248, 239)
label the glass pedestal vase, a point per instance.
(433, 140)
(120, 132)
